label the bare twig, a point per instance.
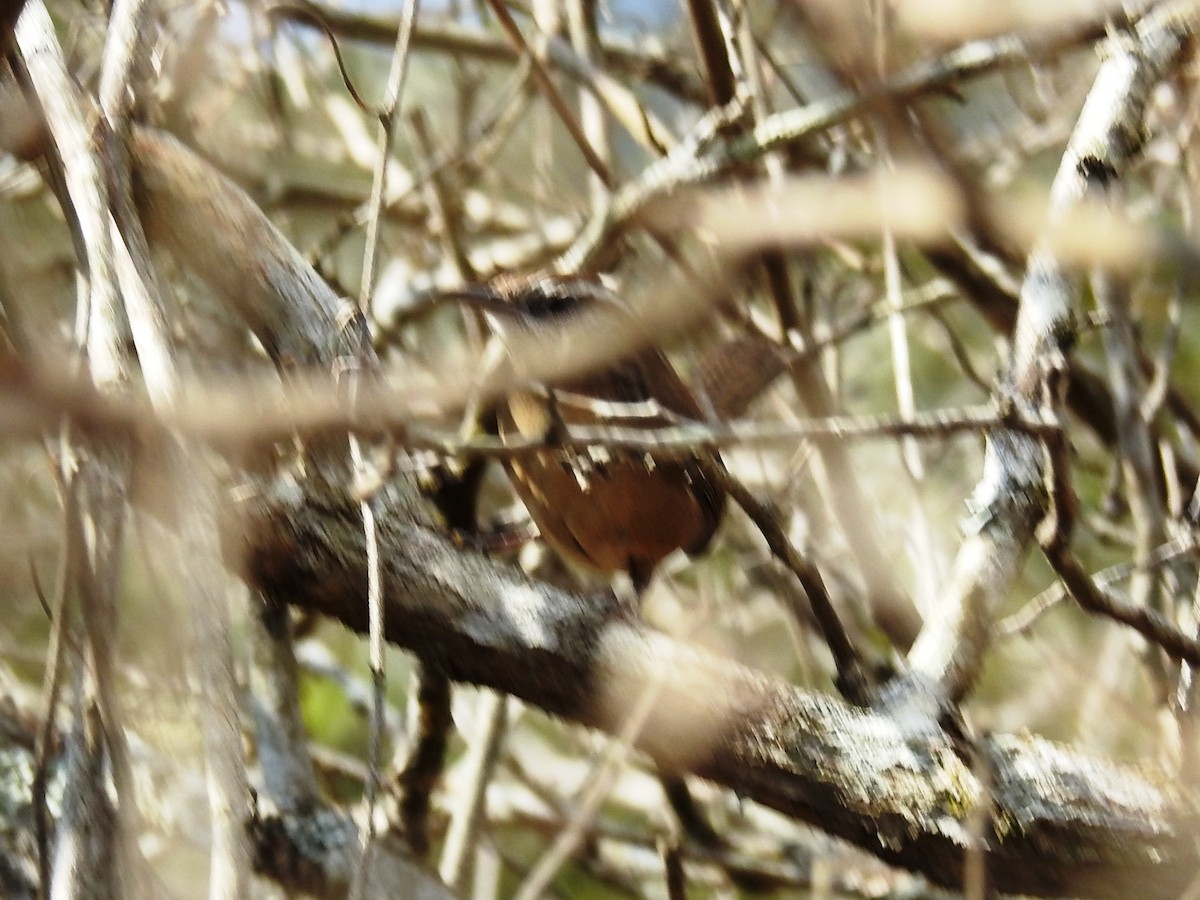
(469, 813)
(630, 57)
(553, 95)
(581, 22)
(852, 680)
(1147, 622)
(393, 92)
(1140, 462)
(1020, 622)
(98, 470)
(684, 165)
(673, 866)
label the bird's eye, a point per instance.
(550, 305)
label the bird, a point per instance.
(607, 508)
(610, 509)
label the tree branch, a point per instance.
(1060, 823)
(1011, 499)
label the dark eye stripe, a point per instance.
(546, 305)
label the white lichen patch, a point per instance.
(528, 616)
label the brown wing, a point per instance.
(647, 376)
(732, 375)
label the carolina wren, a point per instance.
(609, 508)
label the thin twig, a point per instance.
(636, 58)
(852, 679)
(477, 144)
(685, 166)
(571, 836)
(99, 469)
(441, 204)
(315, 410)
(1054, 537)
(393, 92)
(469, 813)
(1147, 622)
(673, 869)
(581, 24)
(387, 115)
(1023, 620)
(52, 681)
(315, 17)
(553, 95)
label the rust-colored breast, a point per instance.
(614, 509)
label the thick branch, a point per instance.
(1061, 823)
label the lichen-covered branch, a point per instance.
(1060, 823)
(1011, 498)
